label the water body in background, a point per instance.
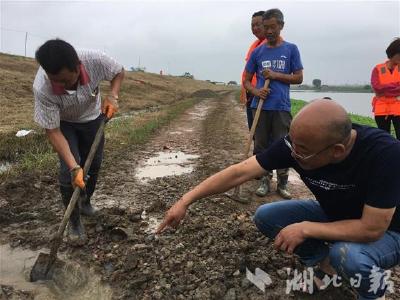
(356, 103)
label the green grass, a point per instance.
(29, 153)
(33, 154)
(126, 132)
(298, 104)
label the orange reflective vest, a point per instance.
(385, 105)
(253, 46)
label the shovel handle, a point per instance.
(75, 196)
(237, 190)
(255, 122)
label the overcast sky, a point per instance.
(339, 41)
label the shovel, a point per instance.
(46, 263)
(236, 195)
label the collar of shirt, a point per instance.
(83, 79)
(278, 43)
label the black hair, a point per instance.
(258, 14)
(54, 55)
(274, 13)
(394, 48)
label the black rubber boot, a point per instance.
(86, 207)
(264, 187)
(282, 187)
(76, 231)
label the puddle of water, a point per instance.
(73, 282)
(4, 167)
(15, 265)
(175, 132)
(166, 164)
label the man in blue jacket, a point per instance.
(279, 61)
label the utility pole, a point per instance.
(26, 39)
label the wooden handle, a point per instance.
(255, 122)
(75, 196)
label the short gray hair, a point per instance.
(274, 13)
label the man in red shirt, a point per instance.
(257, 29)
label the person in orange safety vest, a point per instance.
(257, 29)
(385, 81)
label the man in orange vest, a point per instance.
(385, 80)
(257, 29)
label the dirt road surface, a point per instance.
(205, 258)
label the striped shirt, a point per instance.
(79, 107)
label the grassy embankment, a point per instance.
(159, 99)
(34, 154)
(336, 88)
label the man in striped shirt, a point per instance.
(69, 107)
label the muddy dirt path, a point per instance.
(205, 258)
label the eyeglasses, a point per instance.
(300, 156)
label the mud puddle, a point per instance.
(166, 164)
(72, 282)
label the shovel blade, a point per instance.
(43, 268)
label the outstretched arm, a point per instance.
(217, 183)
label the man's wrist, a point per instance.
(113, 96)
(74, 168)
(306, 229)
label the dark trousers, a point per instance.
(80, 137)
(384, 123)
(249, 110)
(272, 126)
